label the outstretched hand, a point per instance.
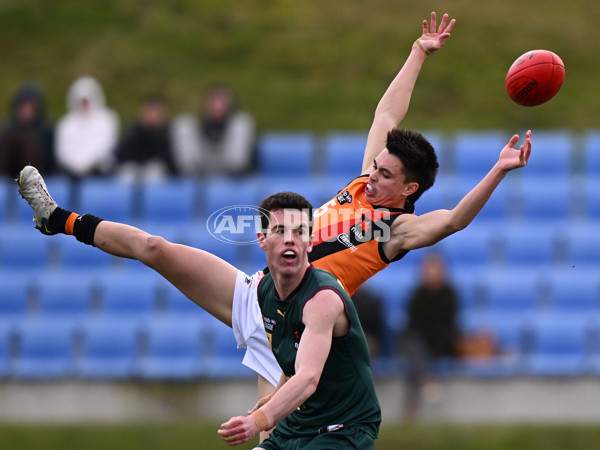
(512, 158)
(434, 38)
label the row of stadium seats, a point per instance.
(140, 294)
(180, 200)
(188, 348)
(498, 244)
(557, 152)
(526, 269)
(116, 348)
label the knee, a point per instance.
(153, 250)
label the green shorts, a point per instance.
(344, 439)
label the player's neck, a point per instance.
(286, 284)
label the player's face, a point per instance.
(287, 242)
(387, 184)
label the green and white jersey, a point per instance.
(346, 393)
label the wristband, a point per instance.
(423, 49)
(261, 420)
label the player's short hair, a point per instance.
(418, 158)
(284, 200)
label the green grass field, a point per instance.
(305, 65)
(204, 437)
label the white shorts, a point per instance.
(249, 329)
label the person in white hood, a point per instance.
(86, 136)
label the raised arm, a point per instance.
(411, 232)
(323, 317)
(395, 101)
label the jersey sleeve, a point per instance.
(248, 328)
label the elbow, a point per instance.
(455, 227)
(311, 384)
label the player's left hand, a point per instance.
(434, 38)
(238, 430)
(512, 158)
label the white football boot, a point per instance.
(33, 189)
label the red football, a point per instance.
(535, 77)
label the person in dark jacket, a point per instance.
(145, 152)
(26, 137)
(431, 332)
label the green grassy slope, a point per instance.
(305, 65)
(203, 436)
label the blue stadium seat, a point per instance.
(178, 305)
(328, 187)
(475, 246)
(73, 254)
(572, 292)
(552, 156)
(499, 206)
(226, 250)
(61, 294)
(175, 349)
(169, 200)
(108, 198)
(344, 153)
(286, 153)
(128, 296)
(225, 192)
(591, 154)
(589, 198)
(224, 359)
(529, 243)
(544, 198)
(59, 188)
(110, 348)
(439, 196)
(45, 349)
(560, 345)
(507, 329)
(583, 245)
(24, 248)
(475, 152)
(6, 334)
(516, 291)
(467, 280)
(307, 186)
(440, 142)
(507, 332)
(15, 295)
(394, 286)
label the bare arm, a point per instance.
(202, 277)
(410, 232)
(395, 101)
(324, 317)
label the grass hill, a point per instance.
(304, 65)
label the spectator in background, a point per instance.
(87, 135)
(431, 332)
(144, 152)
(369, 308)
(26, 137)
(222, 141)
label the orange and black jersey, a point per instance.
(349, 235)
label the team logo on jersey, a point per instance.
(269, 323)
(344, 239)
(297, 335)
(344, 197)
